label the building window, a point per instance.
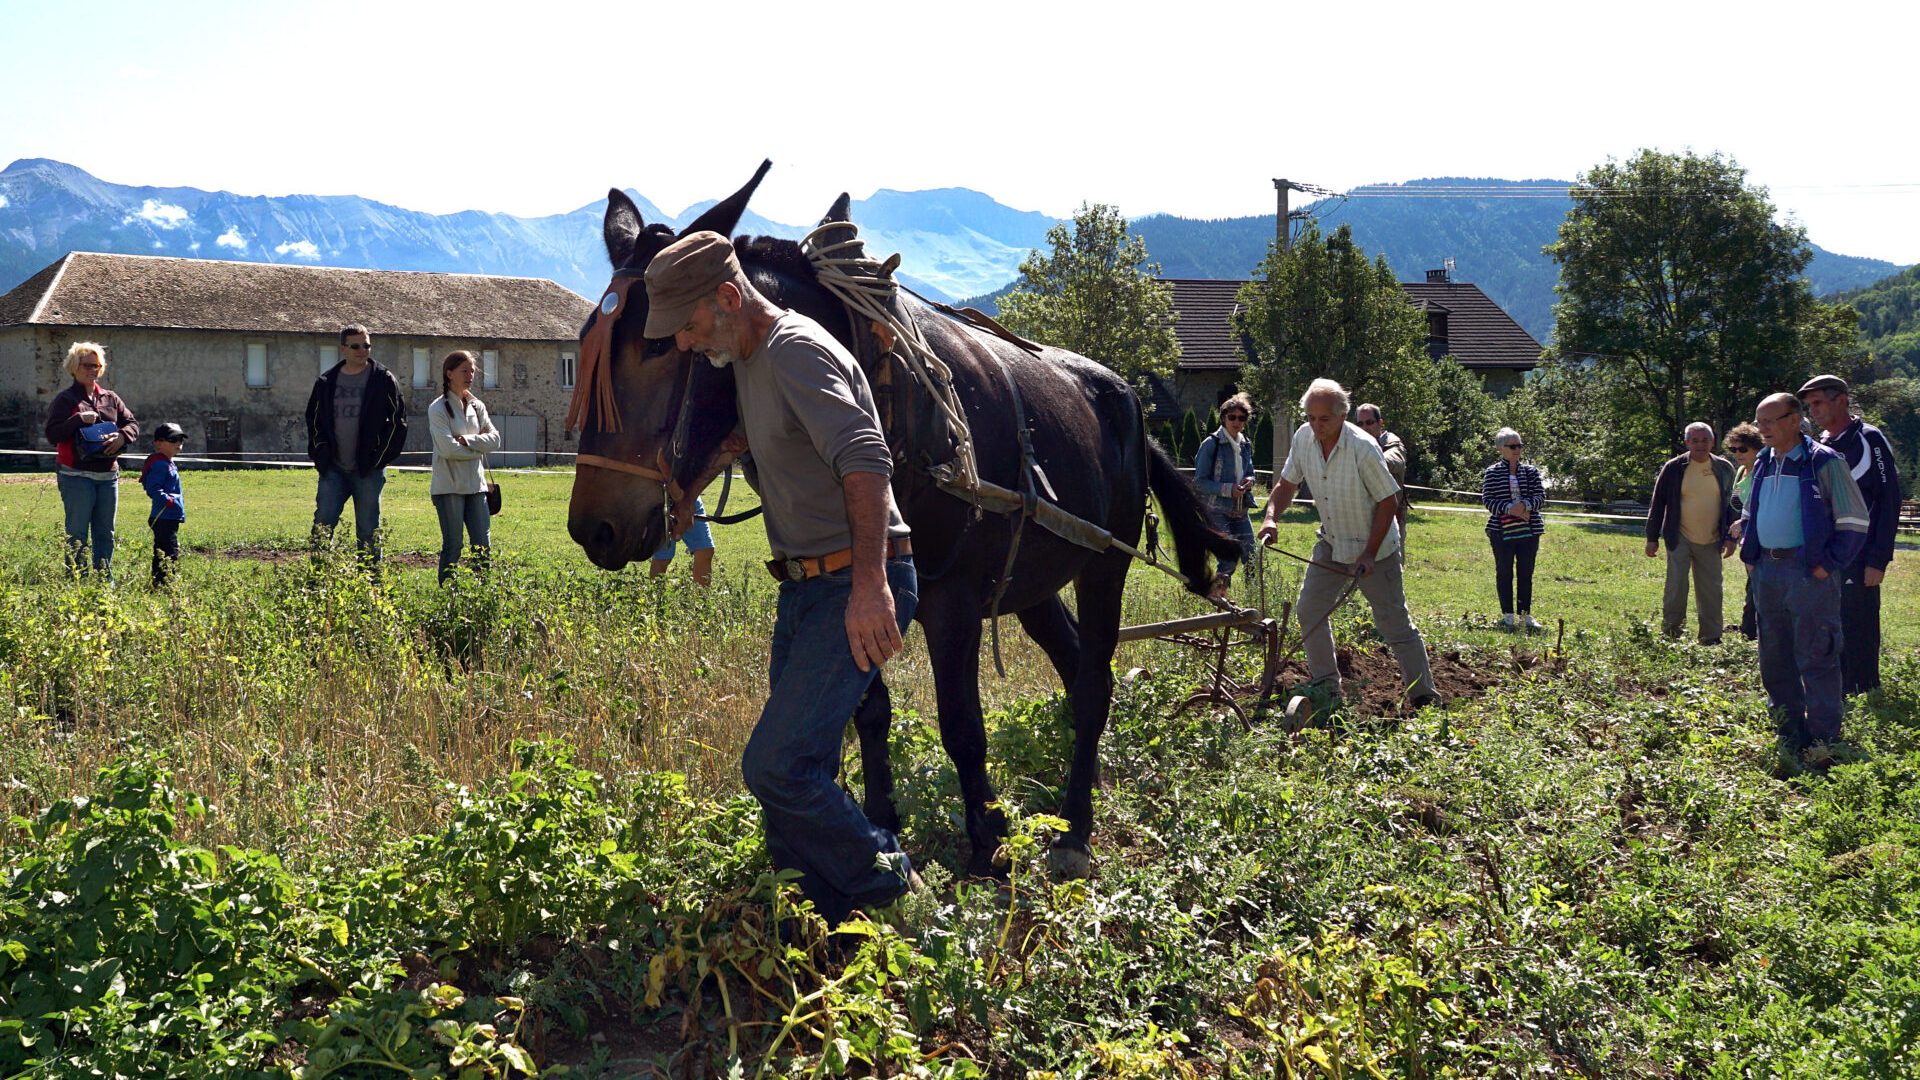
(257, 364)
(422, 369)
(219, 429)
(329, 356)
(567, 370)
(490, 368)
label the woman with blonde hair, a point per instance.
(89, 427)
(463, 435)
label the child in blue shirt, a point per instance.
(162, 480)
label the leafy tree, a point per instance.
(1567, 414)
(1097, 295)
(1322, 309)
(1676, 277)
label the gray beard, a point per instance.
(723, 327)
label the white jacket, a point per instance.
(460, 470)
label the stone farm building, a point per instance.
(230, 350)
(1462, 322)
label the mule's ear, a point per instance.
(838, 214)
(722, 216)
(621, 227)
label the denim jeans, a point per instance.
(1240, 527)
(1800, 645)
(91, 506)
(792, 760)
(336, 487)
(457, 512)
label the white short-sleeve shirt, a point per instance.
(1346, 484)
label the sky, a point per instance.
(1189, 108)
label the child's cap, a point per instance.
(169, 432)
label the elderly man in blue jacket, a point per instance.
(1802, 528)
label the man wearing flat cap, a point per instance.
(841, 553)
(1870, 460)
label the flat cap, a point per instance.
(683, 274)
(1832, 384)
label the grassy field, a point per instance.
(347, 827)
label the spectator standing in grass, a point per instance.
(356, 427)
(1692, 510)
(1394, 449)
(1223, 470)
(463, 435)
(1870, 461)
(161, 479)
(1359, 538)
(88, 454)
(1805, 524)
(1512, 493)
(699, 543)
(1743, 446)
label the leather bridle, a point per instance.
(594, 390)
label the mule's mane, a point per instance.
(775, 255)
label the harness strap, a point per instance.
(593, 382)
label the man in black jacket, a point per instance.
(1870, 460)
(1692, 510)
(356, 426)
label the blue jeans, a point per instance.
(336, 487)
(792, 761)
(91, 506)
(457, 512)
(1800, 646)
(1240, 527)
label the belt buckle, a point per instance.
(796, 570)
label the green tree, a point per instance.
(1322, 309)
(1097, 295)
(1676, 278)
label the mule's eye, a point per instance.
(609, 302)
(656, 347)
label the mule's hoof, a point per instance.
(1068, 863)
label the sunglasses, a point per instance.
(359, 348)
(1236, 416)
(1513, 446)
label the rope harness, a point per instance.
(865, 286)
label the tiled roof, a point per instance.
(90, 289)
(1205, 329)
(1480, 334)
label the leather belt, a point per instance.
(1781, 553)
(814, 566)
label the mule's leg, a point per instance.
(1098, 591)
(1052, 628)
(872, 720)
(951, 619)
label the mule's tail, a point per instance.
(1195, 536)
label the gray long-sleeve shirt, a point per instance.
(810, 420)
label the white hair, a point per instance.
(1504, 436)
(1327, 388)
(1702, 425)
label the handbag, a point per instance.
(90, 442)
(1515, 530)
(493, 498)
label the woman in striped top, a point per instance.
(1512, 492)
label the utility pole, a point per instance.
(1283, 233)
(1280, 223)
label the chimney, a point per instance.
(1439, 277)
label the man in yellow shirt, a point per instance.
(1692, 510)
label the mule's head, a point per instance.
(654, 425)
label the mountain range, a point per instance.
(954, 242)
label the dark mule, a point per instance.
(1087, 435)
